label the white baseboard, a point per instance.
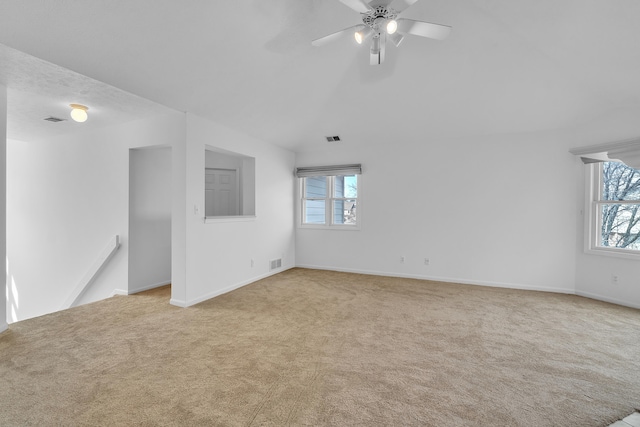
(229, 288)
(446, 279)
(142, 289)
(607, 299)
(146, 288)
(119, 292)
(178, 302)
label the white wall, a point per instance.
(3, 202)
(219, 254)
(67, 197)
(496, 210)
(149, 218)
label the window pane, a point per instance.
(344, 212)
(315, 187)
(314, 211)
(346, 186)
(621, 226)
(620, 182)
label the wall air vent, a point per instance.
(275, 264)
(333, 138)
(54, 119)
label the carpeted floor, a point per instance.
(308, 347)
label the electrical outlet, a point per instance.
(252, 263)
(614, 279)
(401, 260)
(426, 261)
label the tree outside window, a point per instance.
(618, 206)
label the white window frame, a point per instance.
(329, 206)
(592, 221)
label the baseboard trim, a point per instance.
(232, 287)
(3, 327)
(135, 291)
(445, 279)
(178, 302)
(607, 299)
(148, 287)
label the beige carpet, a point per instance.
(309, 347)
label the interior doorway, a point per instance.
(149, 239)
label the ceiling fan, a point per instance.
(380, 22)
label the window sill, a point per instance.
(219, 219)
(330, 227)
(614, 253)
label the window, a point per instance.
(614, 214)
(329, 196)
(330, 200)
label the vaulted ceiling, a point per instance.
(509, 66)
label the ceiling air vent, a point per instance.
(54, 119)
(333, 138)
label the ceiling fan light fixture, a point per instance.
(392, 26)
(362, 35)
(79, 112)
(375, 46)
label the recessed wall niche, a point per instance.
(229, 184)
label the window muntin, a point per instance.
(330, 200)
(616, 208)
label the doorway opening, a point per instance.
(149, 218)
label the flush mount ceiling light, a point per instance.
(381, 22)
(79, 112)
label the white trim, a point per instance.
(237, 218)
(135, 291)
(148, 287)
(607, 146)
(445, 279)
(613, 252)
(219, 292)
(178, 303)
(340, 227)
(92, 273)
(607, 299)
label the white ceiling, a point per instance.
(509, 66)
(39, 89)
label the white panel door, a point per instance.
(221, 192)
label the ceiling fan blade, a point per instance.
(396, 38)
(400, 5)
(423, 29)
(360, 6)
(335, 36)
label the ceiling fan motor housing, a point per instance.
(377, 18)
